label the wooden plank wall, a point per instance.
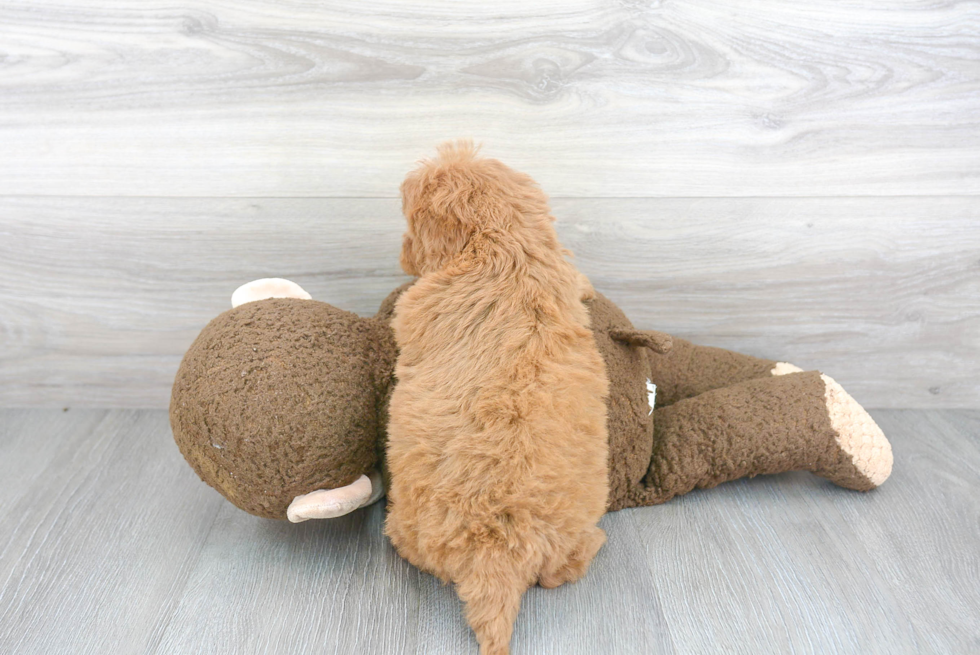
(797, 180)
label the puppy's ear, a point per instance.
(407, 258)
(411, 191)
(444, 201)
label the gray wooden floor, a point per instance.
(110, 544)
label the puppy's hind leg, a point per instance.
(577, 561)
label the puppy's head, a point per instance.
(448, 199)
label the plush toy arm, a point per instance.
(690, 370)
(799, 421)
(658, 342)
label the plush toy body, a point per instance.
(281, 405)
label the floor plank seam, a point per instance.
(184, 577)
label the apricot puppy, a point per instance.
(497, 441)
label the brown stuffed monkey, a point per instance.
(281, 405)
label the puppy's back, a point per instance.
(497, 441)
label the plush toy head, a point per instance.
(280, 397)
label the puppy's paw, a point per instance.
(577, 563)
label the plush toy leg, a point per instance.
(799, 421)
(689, 370)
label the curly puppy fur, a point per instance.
(497, 441)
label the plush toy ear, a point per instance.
(658, 342)
(269, 287)
(331, 503)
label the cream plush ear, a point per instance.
(269, 287)
(785, 368)
(332, 503)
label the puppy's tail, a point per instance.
(492, 592)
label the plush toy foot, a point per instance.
(331, 503)
(866, 448)
(270, 287)
(867, 460)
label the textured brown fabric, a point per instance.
(658, 342)
(767, 425)
(629, 420)
(689, 370)
(254, 414)
(383, 318)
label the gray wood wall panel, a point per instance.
(696, 98)
(109, 544)
(100, 297)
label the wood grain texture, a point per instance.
(331, 589)
(802, 566)
(940, 567)
(630, 99)
(99, 298)
(97, 535)
(109, 544)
